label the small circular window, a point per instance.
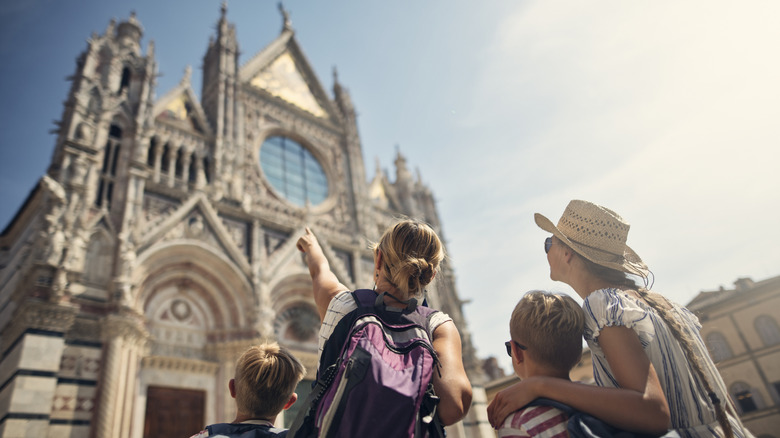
(293, 171)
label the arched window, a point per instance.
(179, 163)
(293, 171)
(151, 154)
(95, 102)
(125, 82)
(108, 171)
(193, 172)
(207, 169)
(744, 397)
(98, 264)
(767, 329)
(166, 159)
(719, 348)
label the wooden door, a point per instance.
(174, 412)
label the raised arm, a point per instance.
(324, 282)
(453, 387)
(639, 404)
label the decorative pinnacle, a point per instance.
(287, 23)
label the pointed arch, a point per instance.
(100, 251)
(151, 153)
(296, 320)
(179, 170)
(95, 103)
(212, 282)
(193, 170)
(108, 172)
(165, 161)
(124, 82)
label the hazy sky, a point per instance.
(665, 111)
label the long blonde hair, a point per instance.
(411, 254)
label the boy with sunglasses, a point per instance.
(546, 332)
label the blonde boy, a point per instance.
(264, 385)
(546, 331)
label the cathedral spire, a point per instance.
(286, 22)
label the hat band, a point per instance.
(620, 257)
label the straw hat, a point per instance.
(596, 233)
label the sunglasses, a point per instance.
(508, 345)
(547, 244)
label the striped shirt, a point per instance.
(535, 421)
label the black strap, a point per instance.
(411, 303)
(322, 383)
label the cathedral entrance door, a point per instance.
(173, 412)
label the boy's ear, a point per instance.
(518, 355)
(232, 387)
(291, 401)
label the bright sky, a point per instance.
(664, 111)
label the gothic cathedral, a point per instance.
(160, 243)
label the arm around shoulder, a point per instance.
(452, 387)
(638, 405)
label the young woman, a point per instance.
(652, 369)
(405, 261)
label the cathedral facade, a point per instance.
(160, 243)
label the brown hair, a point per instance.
(266, 376)
(663, 307)
(411, 253)
(551, 326)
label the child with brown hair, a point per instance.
(546, 340)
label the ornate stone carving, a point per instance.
(128, 327)
(180, 365)
(34, 314)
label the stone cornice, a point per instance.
(39, 315)
(178, 364)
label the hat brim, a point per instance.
(630, 263)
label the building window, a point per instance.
(108, 171)
(293, 171)
(151, 154)
(125, 82)
(719, 348)
(767, 329)
(744, 397)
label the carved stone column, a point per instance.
(123, 338)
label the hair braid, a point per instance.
(684, 339)
(619, 278)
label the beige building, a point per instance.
(741, 328)
(161, 241)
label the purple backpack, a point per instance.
(375, 375)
